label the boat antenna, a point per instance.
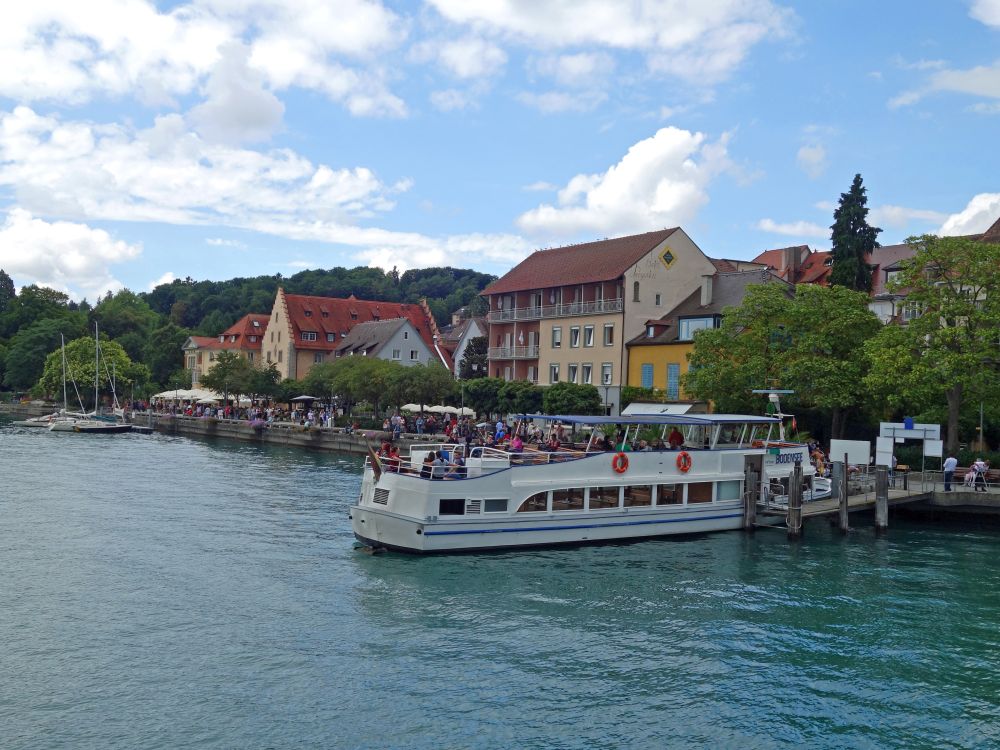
(65, 398)
(774, 407)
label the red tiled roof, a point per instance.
(324, 315)
(814, 269)
(578, 264)
(722, 265)
(244, 328)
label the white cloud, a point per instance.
(981, 81)
(812, 160)
(900, 217)
(698, 42)
(578, 70)
(73, 51)
(164, 279)
(986, 11)
(237, 107)
(541, 187)
(553, 102)
(219, 242)
(793, 229)
(449, 100)
(499, 251)
(976, 217)
(166, 173)
(471, 57)
(71, 257)
(661, 181)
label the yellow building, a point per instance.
(658, 358)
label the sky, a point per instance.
(145, 141)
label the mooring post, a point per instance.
(881, 499)
(751, 484)
(845, 524)
(794, 518)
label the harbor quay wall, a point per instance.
(281, 433)
(26, 411)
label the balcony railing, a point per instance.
(555, 311)
(513, 352)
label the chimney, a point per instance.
(706, 290)
(792, 261)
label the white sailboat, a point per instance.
(92, 424)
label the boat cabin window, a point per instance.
(729, 490)
(638, 496)
(603, 497)
(537, 503)
(699, 492)
(669, 494)
(495, 505)
(570, 499)
(451, 506)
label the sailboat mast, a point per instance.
(65, 399)
(97, 369)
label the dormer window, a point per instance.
(222, 339)
(650, 331)
(308, 313)
(256, 324)
(354, 314)
(325, 314)
(253, 339)
(331, 337)
(309, 335)
(232, 338)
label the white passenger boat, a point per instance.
(580, 493)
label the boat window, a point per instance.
(451, 506)
(699, 492)
(603, 497)
(535, 504)
(638, 496)
(729, 490)
(495, 505)
(571, 499)
(669, 494)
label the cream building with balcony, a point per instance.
(564, 314)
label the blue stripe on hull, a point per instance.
(581, 526)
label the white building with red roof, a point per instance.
(304, 330)
(245, 337)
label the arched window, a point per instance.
(635, 291)
(537, 503)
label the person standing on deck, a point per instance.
(950, 464)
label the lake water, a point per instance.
(162, 592)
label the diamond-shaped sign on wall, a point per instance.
(667, 257)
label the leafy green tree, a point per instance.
(482, 394)
(34, 304)
(951, 349)
(519, 397)
(263, 380)
(230, 375)
(162, 351)
(853, 240)
(7, 291)
(433, 383)
(117, 370)
(572, 398)
(473, 364)
(28, 349)
(811, 342)
(178, 380)
(124, 313)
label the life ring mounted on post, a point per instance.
(684, 462)
(620, 463)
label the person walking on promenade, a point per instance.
(950, 464)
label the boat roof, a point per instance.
(660, 419)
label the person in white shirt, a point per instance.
(981, 469)
(950, 464)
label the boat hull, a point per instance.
(377, 528)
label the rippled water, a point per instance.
(161, 592)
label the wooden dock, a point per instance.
(860, 502)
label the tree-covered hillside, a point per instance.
(208, 307)
(151, 327)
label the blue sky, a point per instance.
(144, 141)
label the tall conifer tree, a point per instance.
(853, 240)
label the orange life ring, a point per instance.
(684, 462)
(619, 463)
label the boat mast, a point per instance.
(97, 369)
(65, 399)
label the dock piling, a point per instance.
(751, 484)
(844, 523)
(794, 517)
(881, 499)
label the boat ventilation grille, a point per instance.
(473, 506)
(381, 497)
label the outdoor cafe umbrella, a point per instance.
(305, 398)
(410, 407)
